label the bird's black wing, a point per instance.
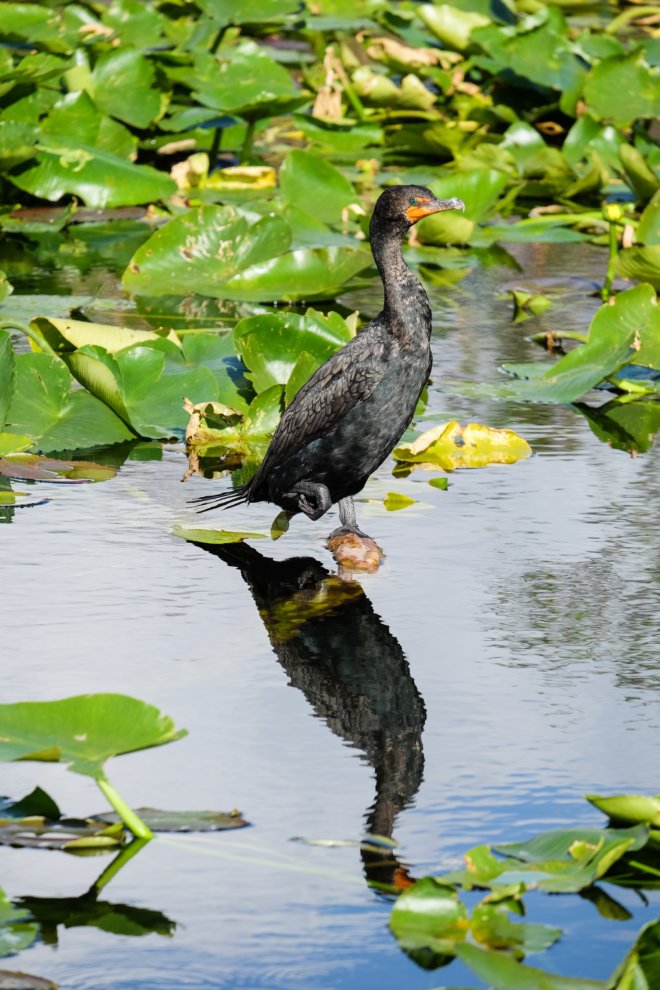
(347, 378)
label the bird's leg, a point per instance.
(312, 498)
(347, 518)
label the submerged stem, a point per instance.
(127, 815)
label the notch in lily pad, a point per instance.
(84, 731)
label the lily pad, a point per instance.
(272, 344)
(246, 81)
(452, 446)
(204, 249)
(214, 535)
(394, 501)
(183, 821)
(629, 808)
(10, 980)
(314, 185)
(430, 917)
(502, 973)
(83, 731)
(123, 86)
(44, 408)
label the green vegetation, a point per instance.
(434, 926)
(84, 732)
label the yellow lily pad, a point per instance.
(452, 446)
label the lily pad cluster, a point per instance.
(434, 925)
(284, 116)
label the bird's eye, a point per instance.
(413, 202)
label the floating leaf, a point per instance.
(67, 335)
(623, 88)
(214, 535)
(641, 967)
(17, 931)
(100, 178)
(429, 916)
(503, 973)
(44, 408)
(271, 344)
(314, 185)
(83, 731)
(183, 821)
(204, 248)
(630, 808)
(452, 25)
(246, 81)
(123, 86)
(452, 446)
(10, 980)
(394, 501)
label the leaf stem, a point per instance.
(127, 815)
(215, 148)
(249, 139)
(606, 291)
(631, 14)
(30, 332)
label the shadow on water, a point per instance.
(338, 651)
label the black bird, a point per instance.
(348, 417)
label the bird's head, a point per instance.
(400, 207)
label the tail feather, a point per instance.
(222, 500)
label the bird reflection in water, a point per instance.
(352, 670)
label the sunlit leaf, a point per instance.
(394, 501)
(67, 335)
(124, 86)
(503, 973)
(630, 808)
(452, 25)
(429, 916)
(246, 81)
(314, 185)
(214, 535)
(452, 446)
(204, 249)
(83, 731)
(271, 344)
(45, 408)
(622, 88)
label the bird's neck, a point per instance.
(406, 310)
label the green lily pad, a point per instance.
(622, 89)
(249, 11)
(629, 808)
(204, 249)
(394, 501)
(7, 376)
(145, 384)
(624, 331)
(315, 186)
(641, 967)
(17, 931)
(214, 535)
(245, 81)
(271, 344)
(67, 335)
(479, 189)
(641, 263)
(429, 916)
(451, 24)
(44, 408)
(625, 425)
(307, 273)
(124, 86)
(503, 973)
(83, 731)
(65, 166)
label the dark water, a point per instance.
(501, 664)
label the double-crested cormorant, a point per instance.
(348, 417)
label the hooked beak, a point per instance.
(425, 207)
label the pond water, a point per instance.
(501, 664)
